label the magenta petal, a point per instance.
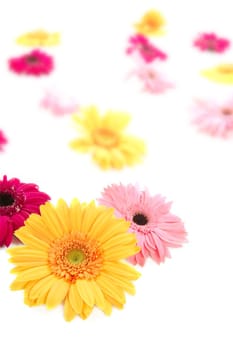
(6, 231)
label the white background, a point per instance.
(186, 303)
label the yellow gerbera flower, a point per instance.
(151, 23)
(104, 138)
(39, 38)
(220, 74)
(72, 255)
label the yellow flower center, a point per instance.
(225, 69)
(40, 35)
(105, 138)
(72, 258)
(76, 256)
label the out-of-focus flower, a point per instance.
(151, 23)
(214, 118)
(105, 139)
(58, 104)
(3, 140)
(39, 38)
(152, 80)
(211, 42)
(141, 46)
(35, 63)
(222, 73)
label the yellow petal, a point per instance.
(76, 213)
(63, 212)
(222, 74)
(42, 287)
(51, 220)
(113, 291)
(124, 252)
(116, 120)
(102, 157)
(120, 281)
(86, 292)
(57, 293)
(26, 237)
(121, 269)
(75, 299)
(81, 144)
(34, 273)
(86, 311)
(69, 313)
(37, 228)
(119, 240)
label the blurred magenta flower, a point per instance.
(211, 42)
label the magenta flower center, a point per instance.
(10, 202)
(140, 219)
(32, 59)
(211, 44)
(6, 199)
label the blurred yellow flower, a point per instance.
(105, 139)
(151, 23)
(39, 38)
(222, 73)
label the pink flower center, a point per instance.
(227, 111)
(140, 219)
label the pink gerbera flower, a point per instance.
(3, 140)
(35, 63)
(211, 42)
(214, 118)
(58, 104)
(140, 45)
(155, 227)
(17, 201)
(153, 81)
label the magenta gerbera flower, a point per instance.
(214, 117)
(141, 46)
(3, 140)
(211, 42)
(155, 227)
(17, 201)
(35, 63)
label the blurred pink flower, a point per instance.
(3, 140)
(214, 118)
(140, 45)
(211, 42)
(35, 63)
(58, 103)
(155, 227)
(153, 81)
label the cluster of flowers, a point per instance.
(79, 255)
(211, 117)
(147, 55)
